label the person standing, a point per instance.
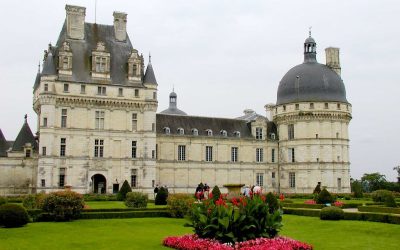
(155, 191)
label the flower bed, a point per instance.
(189, 242)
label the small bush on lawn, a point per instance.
(317, 188)
(216, 193)
(136, 200)
(331, 213)
(123, 191)
(272, 202)
(179, 204)
(390, 202)
(63, 205)
(161, 197)
(324, 197)
(13, 215)
(3, 200)
(33, 201)
(384, 196)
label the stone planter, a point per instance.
(233, 189)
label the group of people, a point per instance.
(247, 191)
(157, 188)
(202, 191)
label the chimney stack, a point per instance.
(332, 59)
(75, 21)
(120, 26)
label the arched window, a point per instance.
(195, 132)
(273, 136)
(209, 132)
(224, 133)
(181, 131)
(236, 134)
(167, 131)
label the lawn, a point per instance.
(115, 204)
(147, 233)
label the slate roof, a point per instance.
(49, 67)
(3, 145)
(149, 76)
(25, 136)
(202, 124)
(250, 115)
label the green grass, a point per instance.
(115, 204)
(147, 233)
(362, 201)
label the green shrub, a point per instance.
(100, 197)
(33, 201)
(136, 200)
(302, 211)
(380, 195)
(161, 197)
(3, 200)
(216, 193)
(63, 205)
(13, 215)
(179, 204)
(390, 202)
(317, 188)
(331, 213)
(272, 202)
(379, 209)
(324, 197)
(123, 191)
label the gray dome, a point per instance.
(309, 40)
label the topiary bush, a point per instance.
(63, 205)
(272, 202)
(390, 201)
(381, 195)
(126, 188)
(136, 200)
(13, 215)
(331, 213)
(179, 204)
(324, 197)
(33, 201)
(216, 193)
(317, 188)
(3, 200)
(161, 197)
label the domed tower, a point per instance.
(312, 115)
(173, 108)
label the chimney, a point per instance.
(120, 26)
(332, 59)
(75, 21)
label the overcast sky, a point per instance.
(226, 56)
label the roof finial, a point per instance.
(173, 87)
(149, 57)
(26, 118)
(309, 31)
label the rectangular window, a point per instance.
(45, 122)
(63, 145)
(61, 181)
(156, 151)
(98, 148)
(297, 106)
(316, 136)
(259, 155)
(209, 153)
(101, 64)
(292, 179)
(338, 106)
(154, 95)
(290, 131)
(234, 154)
(311, 105)
(259, 133)
(339, 184)
(101, 90)
(63, 118)
(153, 154)
(260, 179)
(134, 178)
(66, 87)
(153, 127)
(134, 122)
(291, 155)
(326, 105)
(273, 155)
(46, 87)
(28, 153)
(284, 107)
(136, 93)
(120, 91)
(181, 153)
(43, 182)
(273, 175)
(99, 119)
(83, 89)
(44, 151)
(134, 149)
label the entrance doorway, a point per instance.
(115, 188)
(99, 184)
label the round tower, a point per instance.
(312, 115)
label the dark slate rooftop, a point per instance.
(250, 115)
(149, 76)
(3, 145)
(25, 136)
(202, 124)
(49, 67)
(173, 106)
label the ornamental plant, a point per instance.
(237, 220)
(215, 193)
(324, 197)
(136, 200)
(331, 213)
(63, 205)
(13, 215)
(179, 204)
(126, 188)
(33, 201)
(161, 197)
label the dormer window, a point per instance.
(209, 132)
(100, 61)
(195, 132)
(236, 134)
(167, 130)
(134, 65)
(181, 131)
(65, 59)
(224, 133)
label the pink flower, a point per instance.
(338, 204)
(310, 202)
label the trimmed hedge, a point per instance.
(136, 200)
(331, 213)
(376, 209)
(301, 211)
(179, 204)
(100, 197)
(302, 205)
(133, 214)
(128, 209)
(3, 200)
(13, 215)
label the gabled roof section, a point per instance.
(49, 67)
(25, 136)
(3, 145)
(250, 115)
(82, 52)
(149, 76)
(202, 124)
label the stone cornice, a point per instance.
(312, 116)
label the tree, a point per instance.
(397, 168)
(123, 191)
(356, 189)
(373, 181)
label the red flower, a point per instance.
(210, 195)
(220, 202)
(235, 202)
(263, 198)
